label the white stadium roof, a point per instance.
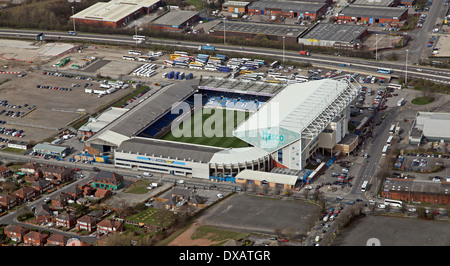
(238, 155)
(268, 177)
(300, 110)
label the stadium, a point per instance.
(215, 128)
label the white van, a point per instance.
(147, 174)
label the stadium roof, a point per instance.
(301, 110)
(168, 149)
(96, 124)
(238, 155)
(240, 86)
(335, 32)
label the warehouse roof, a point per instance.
(433, 125)
(287, 6)
(372, 11)
(261, 28)
(168, 149)
(174, 17)
(374, 2)
(96, 124)
(335, 32)
(235, 3)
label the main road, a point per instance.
(352, 64)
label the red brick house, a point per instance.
(25, 194)
(15, 232)
(109, 226)
(55, 173)
(5, 171)
(34, 238)
(87, 223)
(66, 220)
(42, 185)
(30, 168)
(87, 189)
(75, 242)
(60, 200)
(102, 193)
(9, 201)
(56, 240)
(43, 214)
(75, 193)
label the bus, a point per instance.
(393, 203)
(139, 37)
(364, 186)
(389, 141)
(274, 64)
(392, 129)
(384, 70)
(401, 102)
(384, 151)
(126, 57)
(134, 52)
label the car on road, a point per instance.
(147, 174)
(219, 196)
(350, 202)
(96, 169)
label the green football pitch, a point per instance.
(215, 128)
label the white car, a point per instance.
(180, 181)
(219, 196)
(147, 174)
(382, 206)
(412, 210)
(419, 69)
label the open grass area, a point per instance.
(216, 234)
(211, 134)
(422, 100)
(139, 187)
(153, 216)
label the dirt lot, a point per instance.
(392, 231)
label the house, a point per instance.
(42, 185)
(179, 197)
(15, 232)
(5, 171)
(87, 223)
(34, 238)
(25, 194)
(56, 240)
(102, 193)
(9, 201)
(55, 173)
(66, 220)
(43, 214)
(30, 168)
(109, 226)
(75, 192)
(60, 200)
(87, 189)
(75, 242)
(107, 180)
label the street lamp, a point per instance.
(73, 18)
(224, 37)
(406, 68)
(283, 49)
(376, 47)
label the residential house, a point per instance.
(25, 194)
(9, 201)
(5, 171)
(56, 240)
(102, 193)
(43, 214)
(31, 168)
(15, 232)
(87, 189)
(107, 180)
(66, 220)
(34, 238)
(42, 185)
(75, 242)
(60, 200)
(179, 197)
(75, 193)
(87, 223)
(56, 173)
(109, 226)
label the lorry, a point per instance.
(206, 47)
(303, 52)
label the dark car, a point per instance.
(96, 169)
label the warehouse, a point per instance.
(175, 20)
(430, 125)
(410, 190)
(290, 9)
(372, 14)
(384, 3)
(249, 30)
(235, 7)
(334, 35)
(114, 13)
(94, 125)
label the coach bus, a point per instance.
(384, 151)
(364, 186)
(393, 203)
(139, 37)
(384, 70)
(389, 141)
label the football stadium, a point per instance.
(233, 130)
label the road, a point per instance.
(356, 65)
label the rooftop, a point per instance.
(269, 177)
(174, 17)
(334, 32)
(261, 28)
(287, 6)
(433, 125)
(372, 11)
(374, 2)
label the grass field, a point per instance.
(211, 134)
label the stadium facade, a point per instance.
(287, 124)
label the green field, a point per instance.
(211, 133)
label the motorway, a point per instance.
(356, 65)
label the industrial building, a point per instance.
(385, 3)
(430, 126)
(372, 14)
(344, 36)
(249, 30)
(115, 13)
(235, 7)
(94, 125)
(290, 9)
(410, 190)
(175, 20)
